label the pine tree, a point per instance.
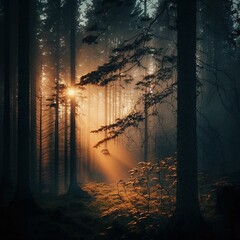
(73, 185)
(187, 222)
(6, 178)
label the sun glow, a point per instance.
(71, 92)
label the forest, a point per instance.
(120, 119)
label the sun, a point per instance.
(71, 92)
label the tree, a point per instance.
(73, 186)
(23, 204)
(34, 84)
(23, 186)
(9, 93)
(187, 221)
(57, 82)
(6, 178)
(53, 39)
(187, 193)
(220, 98)
(40, 154)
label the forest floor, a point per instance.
(110, 212)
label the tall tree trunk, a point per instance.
(14, 82)
(66, 144)
(73, 187)
(23, 203)
(33, 86)
(6, 178)
(187, 188)
(145, 150)
(40, 160)
(56, 149)
(187, 222)
(106, 113)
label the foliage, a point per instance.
(128, 54)
(149, 195)
(128, 63)
(119, 127)
(144, 203)
(154, 88)
(147, 199)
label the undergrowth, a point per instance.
(145, 202)
(138, 208)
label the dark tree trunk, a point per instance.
(23, 202)
(73, 187)
(40, 185)
(66, 163)
(106, 113)
(23, 205)
(187, 188)
(187, 222)
(14, 83)
(145, 150)
(23, 191)
(6, 178)
(33, 86)
(56, 147)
